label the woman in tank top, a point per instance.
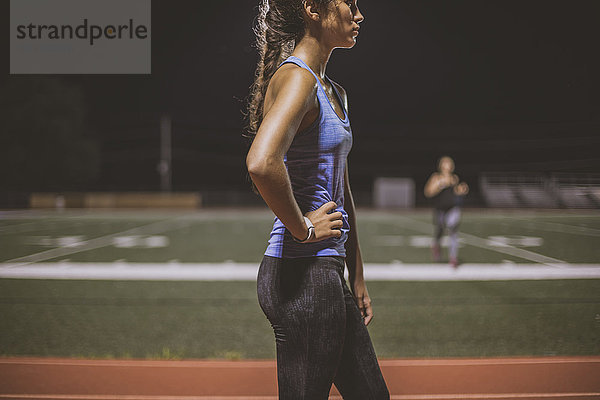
(301, 136)
(447, 193)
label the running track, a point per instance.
(499, 378)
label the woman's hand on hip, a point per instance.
(326, 224)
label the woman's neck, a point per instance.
(314, 54)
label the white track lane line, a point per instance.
(254, 364)
(248, 271)
(480, 396)
(483, 396)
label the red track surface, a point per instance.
(497, 378)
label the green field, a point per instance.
(223, 320)
(203, 319)
(207, 236)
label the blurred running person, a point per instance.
(301, 136)
(447, 193)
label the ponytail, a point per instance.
(278, 27)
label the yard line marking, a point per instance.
(249, 271)
(101, 241)
(425, 241)
(489, 245)
(511, 250)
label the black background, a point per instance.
(499, 85)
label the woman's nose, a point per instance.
(358, 17)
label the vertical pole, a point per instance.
(164, 166)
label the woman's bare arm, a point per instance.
(353, 256)
(432, 186)
(354, 260)
(293, 91)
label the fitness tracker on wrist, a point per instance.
(311, 231)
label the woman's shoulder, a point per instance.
(293, 87)
(434, 175)
(294, 76)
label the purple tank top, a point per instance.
(316, 163)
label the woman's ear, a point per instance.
(311, 10)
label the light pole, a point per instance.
(164, 166)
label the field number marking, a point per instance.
(118, 241)
(420, 241)
(96, 243)
(488, 244)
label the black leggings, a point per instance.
(319, 331)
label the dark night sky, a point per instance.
(500, 85)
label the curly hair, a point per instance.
(279, 26)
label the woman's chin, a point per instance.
(349, 44)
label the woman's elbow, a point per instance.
(258, 166)
(253, 165)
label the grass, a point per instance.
(484, 319)
(207, 235)
(175, 320)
